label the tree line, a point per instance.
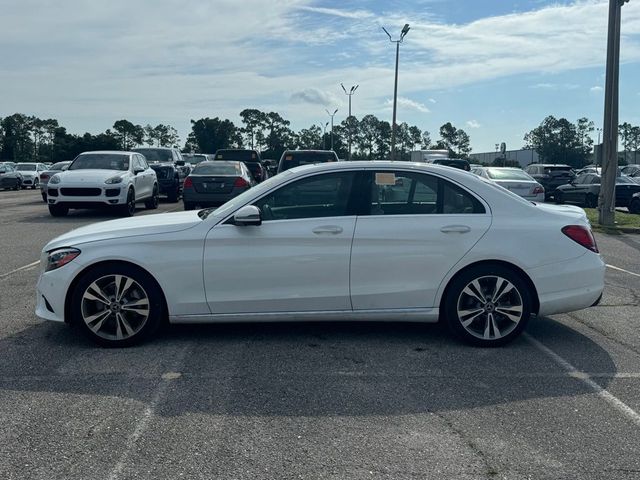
(29, 138)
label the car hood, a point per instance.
(127, 227)
(571, 211)
(89, 175)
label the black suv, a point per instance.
(170, 178)
(453, 162)
(295, 158)
(550, 176)
(251, 158)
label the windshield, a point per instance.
(26, 166)
(244, 197)
(219, 168)
(101, 161)
(155, 154)
(504, 174)
(59, 166)
(4, 170)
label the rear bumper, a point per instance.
(191, 196)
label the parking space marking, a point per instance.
(608, 397)
(20, 269)
(623, 270)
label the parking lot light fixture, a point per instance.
(331, 115)
(350, 93)
(403, 33)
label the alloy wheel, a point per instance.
(115, 307)
(490, 307)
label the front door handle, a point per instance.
(327, 230)
(455, 229)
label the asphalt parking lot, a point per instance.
(327, 400)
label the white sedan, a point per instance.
(514, 179)
(101, 179)
(388, 241)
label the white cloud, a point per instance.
(408, 104)
(354, 14)
(596, 89)
(473, 124)
(314, 96)
(432, 100)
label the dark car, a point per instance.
(632, 171)
(170, 178)
(584, 190)
(160, 154)
(295, 158)
(550, 176)
(453, 162)
(10, 177)
(634, 204)
(251, 158)
(215, 183)
(50, 172)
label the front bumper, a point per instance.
(107, 196)
(52, 287)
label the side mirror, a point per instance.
(136, 171)
(248, 215)
(180, 163)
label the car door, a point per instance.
(149, 176)
(297, 260)
(417, 228)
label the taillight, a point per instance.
(537, 190)
(582, 235)
(44, 177)
(240, 182)
(188, 183)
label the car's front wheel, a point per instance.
(488, 306)
(129, 208)
(44, 197)
(558, 197)
(58, 210)
(590, 200)
(153, 202)
(634, 206)
(117, 305)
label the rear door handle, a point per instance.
(327, 230)
(455, 229)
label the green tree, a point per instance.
(462, 144)
(17, 144)
(449, 136)
(557, 141)
(310, 138)
(425, 140)
(254, 121)
(128, 134)
(210, 134)
(368, 135)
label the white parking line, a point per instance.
(25, 267)
(623, 270)
(612, 400)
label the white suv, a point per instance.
(103, 179)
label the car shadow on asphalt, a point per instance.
(303, 369)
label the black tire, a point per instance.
(590, 200)
(129, 208)
(173, 195)
(558, 197)
(153, 202)
(504, 330)
(107, 333)
(189, 206)
(634, 206)
(17, 187)
(58, 210)
(44, 197)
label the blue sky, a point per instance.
(494, 68)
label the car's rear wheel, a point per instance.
(129, 208)
(558, 197)
(488, 306)
(590, 200)
(58, 210)
(173, 195)
(117, 305)
(634, 206)
(153, 202)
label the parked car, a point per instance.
(195, 158)
(10, 178)
(595, 169)
(214, 183)
(584, 190)
(550, 176)
(160, 154)
(295, 158)
(50, 172)
(11, 164)
(275, 253)
(634, 204)
(170, 178)
(271, 165)
(251, 158)
(513, 179)
(460, 163)
(103, 179)
(632, 171)
(30, 172)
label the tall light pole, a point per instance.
(350, 94)
(331, 115)
(403, 33)
(606, 200)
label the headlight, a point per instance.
(59, 258)
(112, 180)
(55, 179)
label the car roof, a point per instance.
(112, 152)
(151, 148)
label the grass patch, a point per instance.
(626, 222)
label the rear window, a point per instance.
(216, 169)
(499, 174)
(295, 159)
(558, 169)
(25, 166)
(155, 154)
(241, 155)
